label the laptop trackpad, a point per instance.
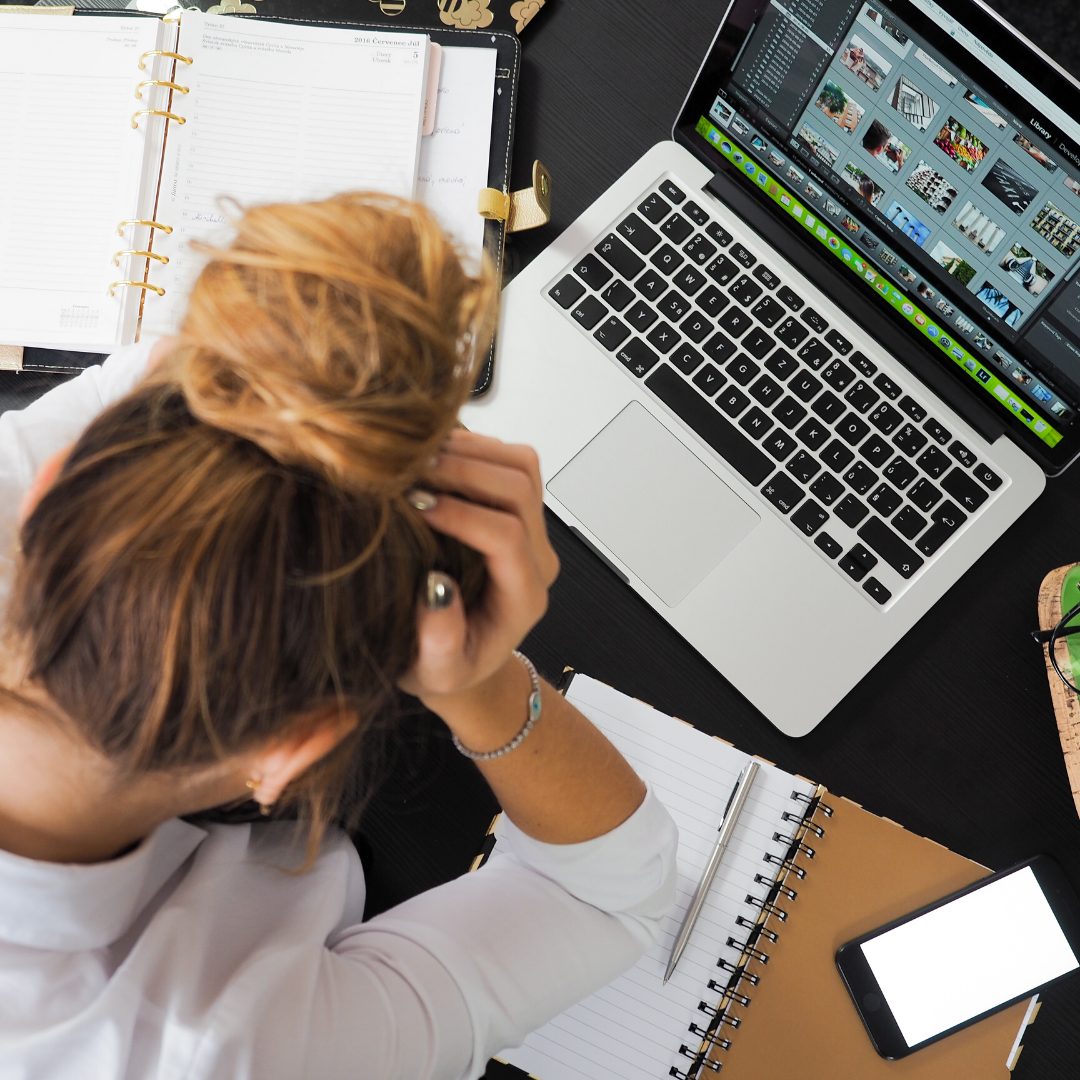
(652, 503)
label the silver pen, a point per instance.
(736, 801)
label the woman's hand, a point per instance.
(490, 498)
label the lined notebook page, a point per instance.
(71, 170)
(281, 112)
(633, 1028)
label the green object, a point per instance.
(1070, 597)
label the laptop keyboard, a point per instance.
(841, 449)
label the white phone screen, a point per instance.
(959, 960)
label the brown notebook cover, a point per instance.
(866, 871)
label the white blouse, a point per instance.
(198, 955)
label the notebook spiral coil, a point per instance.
(145, 251)
(715, 1037)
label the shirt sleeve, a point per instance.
(439, 984)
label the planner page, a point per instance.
(72, 164)
(280, 112)
(633, 1028)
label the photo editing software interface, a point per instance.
(960, 214)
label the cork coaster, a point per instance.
(1066, 703)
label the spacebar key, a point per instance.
(679, 396)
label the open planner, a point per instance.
(127, 138)
(757, 993)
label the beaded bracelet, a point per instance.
(532, 715)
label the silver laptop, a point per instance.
(801, 365)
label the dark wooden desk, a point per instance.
(951, 734)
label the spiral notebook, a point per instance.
(756, 993)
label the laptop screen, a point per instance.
(928, 166)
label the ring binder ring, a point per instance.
(719, 1014)
(757, 929)
(161, 82)
(700, 1061)
(149, 286)
(163, 259)
(767, 907)
(737, 971)
(710, 1036)
(785, 864)
(156, 112)
(780, 887)
(166, 229)
(798, 819)
(163, 52)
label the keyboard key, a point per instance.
(817, 354)
(909, 523)
(804, 386)
(735, 321)
(969, 495)
(909, 439)
(670, 191)
(838, 375)
(827, 488)
(962, 454)
(718, 233)
(945, 520)
(828, 545)
(841, 344)
(732, 401)
(936, 431)
(876, 450)
(689, 280)
(767, 311)
(836, 456)
(741, 454)
(910, 406)
(677, 228)
(719, 347)
(850, 511)
(885, 418)
(766, 276)
(567, 291)
(860, 477)
(852, 430)
(592, 271)
(695, 213)
(745, 291)
(699, 249)
(637, 357)
(755, 423)
(933, 461)
(712, 301)
(781, 364)
(758, 343)
(884, 500)
(589, 312)
(741, 255)
(986, 476)
(861, 397)
(783, 493)
(880, 538)
(790, 299)
(696, 327)
(686, 359)
(924, 495)
(791, 333)
(887, 386)
(828, 406)
(640, 236)
(674, 306)
(858, 562)
(862, 364)
(899, 473)
(814, 321)
(667, 259)
(617, 255)
(617, 295)
(721, 270)
(766, 390)
(809, 517)
(779, 444)
(742, 370)
(662, 337)
(710, 379)
(654, 208)
(651, 285)
(789, 412)
(641, 316)
(611, 333)
(873, 588)
(813, 433)
(804, 467)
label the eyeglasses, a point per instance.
(1049, 638)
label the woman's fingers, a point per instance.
(441, 637)
(485, 448)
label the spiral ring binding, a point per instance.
(699, 1059)
(811, 826)
(135, 285)
(718, 1013)
(166, 229)
(779, 886)
(785, 864)
(710, 1037)
(795, 843)
(757, 928)
(738, 971)
(163, 259)
(161, 82)
(163, 52)
(767, 906)
(156, 112)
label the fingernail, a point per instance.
(422, 500)
(439, 592)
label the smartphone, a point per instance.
(949, 964)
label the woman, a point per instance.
(223, 581)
